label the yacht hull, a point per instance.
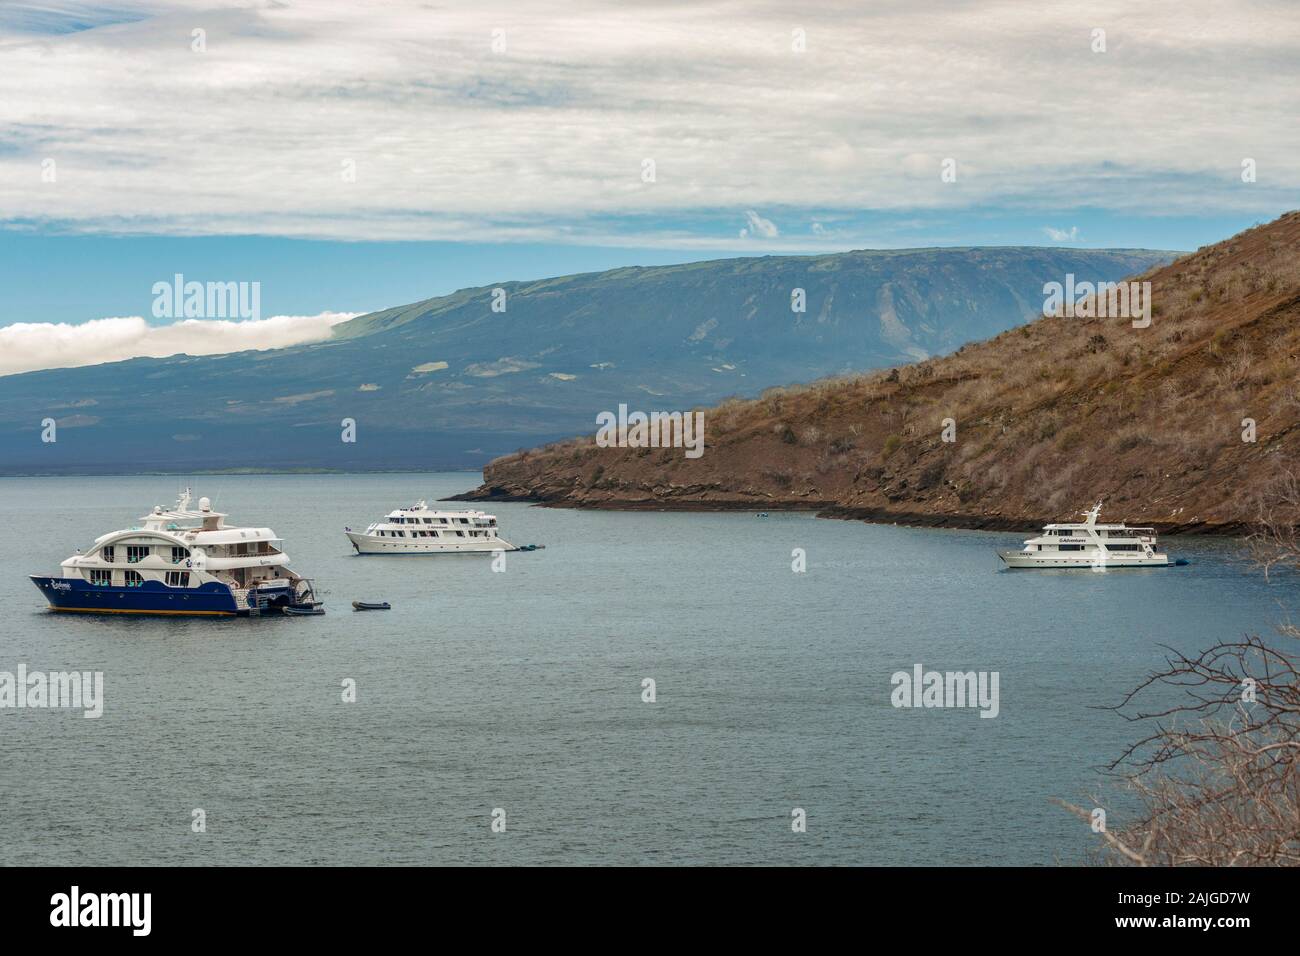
(373, 544)
(68, 594)
(1019, 560)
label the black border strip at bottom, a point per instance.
(301, 905)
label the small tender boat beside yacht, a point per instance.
(180, 562)
(420, 529)
(1089, 545)
(304, 610)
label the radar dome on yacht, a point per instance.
(157, 509)
(205, 504)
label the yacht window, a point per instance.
(101, 577)
(428, 521)
(136, 553)
(178, 579)
(133, 579)
(179, 555)
(1070, 547)
(433, 534)
(460, 534)
(106, 552)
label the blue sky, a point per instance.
(75, 278)
(350, 156)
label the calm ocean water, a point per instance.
(522, 690)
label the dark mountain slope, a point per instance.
(1048, 418)
(451, 383)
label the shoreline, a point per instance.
(835, 511)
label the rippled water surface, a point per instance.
(522, 690)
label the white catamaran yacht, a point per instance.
(1089, 545)
(180, 562)
(422, 530)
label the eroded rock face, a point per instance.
(1183, 424)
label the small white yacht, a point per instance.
(420, 529)
(1089, 545)
(181, 562)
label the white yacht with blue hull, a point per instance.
(179, 562)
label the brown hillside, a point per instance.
(1049, 417)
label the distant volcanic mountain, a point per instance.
(454, 381)
(1185, 422)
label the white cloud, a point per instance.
(758, 226)
(546, 140)
(1062, 235)
(27, 346)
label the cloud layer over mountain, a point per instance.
(27, 346)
